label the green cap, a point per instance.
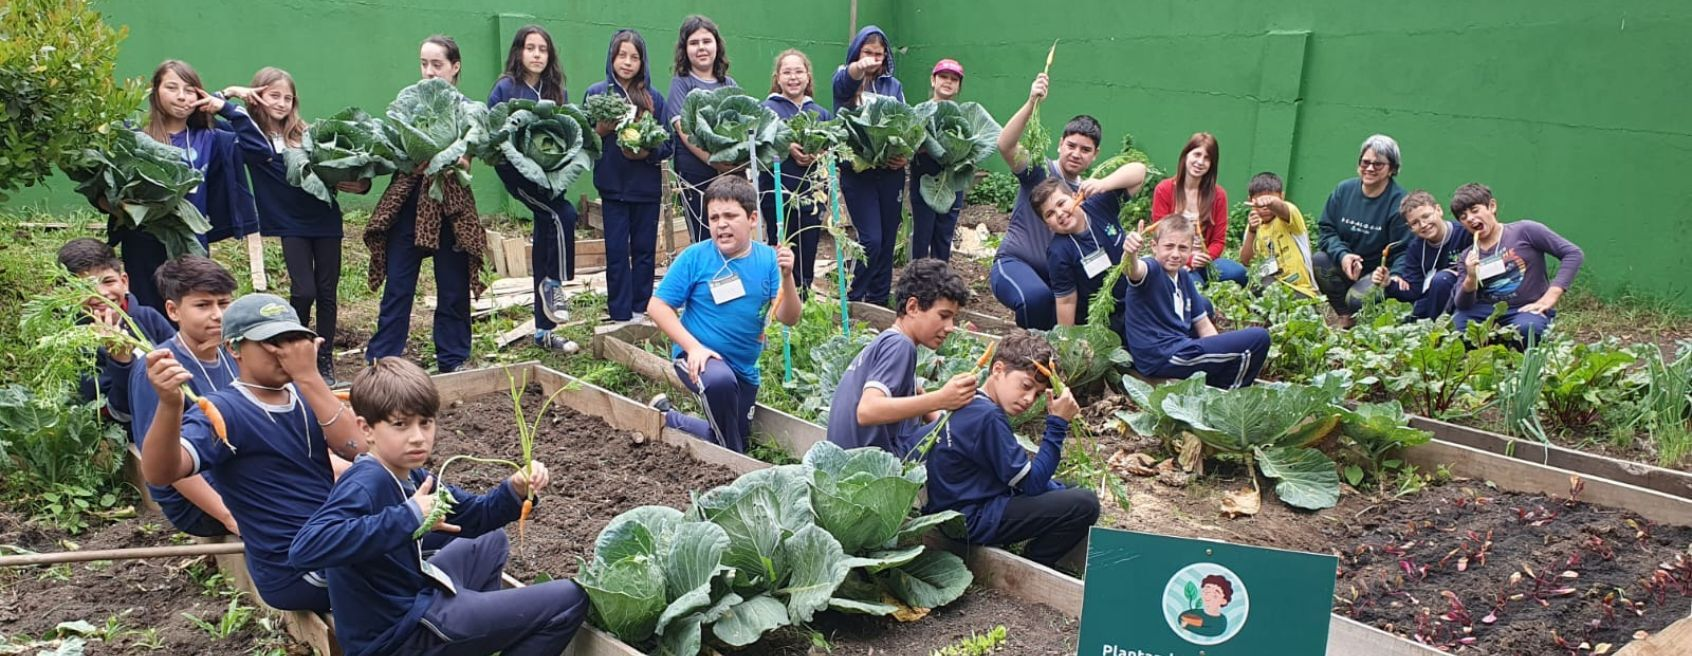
(259, 317)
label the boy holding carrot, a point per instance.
(1275, 230)
(266, 439)
(1087, 241)
(93, 260)
(722, 289)
(977, 468)
(196, 291)
(388, 598)
(1169, 330)
(1427, 273)
(877, 403)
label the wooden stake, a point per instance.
(255, 262)
(176, 551)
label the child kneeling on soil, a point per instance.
(977, 468)
(723, 286)
(1506, 265)
(1169, 330)
(877, 403)
(1087, 241)
(263, 441)
(388, 599)
(1427, 273)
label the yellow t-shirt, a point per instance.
(1283, 252)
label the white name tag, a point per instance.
(1095, 263)
(1491, 267)
(439, 577)
(726, 289)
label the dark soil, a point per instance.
(974, 215)
(139, 594)
(1373, 533)
(599, 472)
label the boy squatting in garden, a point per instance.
(1427, 273)
(1507, 265)
(94, 261)
(273, 467)
(196, 291)
(387, 598)
(1086, 242)
(877, 403)
(721, 288)
(977, 468)
(1168, 321)
(1275, 230)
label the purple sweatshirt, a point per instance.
(1524, 245)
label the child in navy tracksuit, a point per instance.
(388, 599)
(309, 228)
(1086, 243)
(409, 225)
(931, 228)
(272, 463)
(790, 93)
(1168, 322)
(93, 260)
(1426, 276)
(629, 183)
(723, 289)
(180, 114)
(701, 65)
(196, 291)
(872, 197)
(532, 73)
(977, 468)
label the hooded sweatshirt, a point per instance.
(846, 89)
(792, 174)
(616, 177)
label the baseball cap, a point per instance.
(948, 66)
(259, 317)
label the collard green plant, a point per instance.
(432, 125)
(725, 122)
(347, 146)
(146, 185)
(770, 550)
(959, 137)
(815, 137)
(544, 143)
(880, 130)
(607, 108)
(59, 91)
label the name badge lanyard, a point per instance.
(1097, 261)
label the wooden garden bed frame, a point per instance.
(1346, 637)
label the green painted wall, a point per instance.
(1572, 111)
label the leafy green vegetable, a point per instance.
(997, 189)
(722, 120)
(644, 133)
(432, 125)
(146, 184)
(1138, 208)
(607, 108)
(814, 136)
(544, 144)
(347, 146)
(880, 130)
(959, 137)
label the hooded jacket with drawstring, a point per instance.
(846, 89)
(615, 176)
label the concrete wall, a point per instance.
(1573, 111)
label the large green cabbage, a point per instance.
(772, 549)
(346, 147)
(544, 143)
(880, 130)
(814, 136)
(146, 184)
(959, 137)
(432, 125)
(722, 120)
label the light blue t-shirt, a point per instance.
(734, 329)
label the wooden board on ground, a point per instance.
(1675, 640)
(1667, 481)
(1521, 476)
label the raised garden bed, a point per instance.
(1434, 520)
(609, 453)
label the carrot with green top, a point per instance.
(1049, 370)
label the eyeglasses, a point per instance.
(1371, 165)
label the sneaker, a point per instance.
(554, 303)
(555, 342)
(661, 403)
(641, 319)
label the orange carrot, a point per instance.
(219, 426)
(343, 394)
(528, 506)
(1049, 371)
(986, 358)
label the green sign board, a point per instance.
(1154, 595)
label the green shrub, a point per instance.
(997, 189)
(57, 86)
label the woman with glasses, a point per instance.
(1360, 220)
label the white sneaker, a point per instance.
(640, 318)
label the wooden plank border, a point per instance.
(1650, 477)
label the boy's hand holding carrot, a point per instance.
(167, 377)
(1064, 406)
(532, 481)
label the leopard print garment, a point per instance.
(457, 204)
